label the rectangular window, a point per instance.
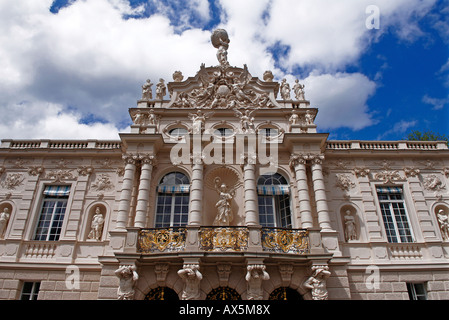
(172, 210)
(52, 213)
(394, 215)
(417, 291)
(30, 290)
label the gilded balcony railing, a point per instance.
(223, 238)
(161, 240)
(282, 240)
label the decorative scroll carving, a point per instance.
(103, 182)
(388, 176)
(162, 240)
(361, 172)
(344, 182)
(223, 239)
(433, 183)
(411, 171)
(285, 240)
(12, 181)
(36, 171)
(59, 175)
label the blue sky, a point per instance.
(71, 69)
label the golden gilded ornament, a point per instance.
(162, 240)
(285, 240)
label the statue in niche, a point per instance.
(147, 93)
(4, 218)
(224, 216)
(128, 277)
(350, 226)
(298, 89)
(254, 276)
(161, 90)
(246, 120)
(220, 40)
(443, 220)
(192, 276)
(294, 118)
(317, 282)
(96, 227)
(285, 90)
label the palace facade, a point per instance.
(225, 190)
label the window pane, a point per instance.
(51, 218)
(397, 226)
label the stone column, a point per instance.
(144, 191)
(251, 203)
(299, 164)
(125, 196)
(196, 192)
(320, 193)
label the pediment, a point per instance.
(223, 87)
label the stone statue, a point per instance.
(268, 76)
(254, 276)
(220, 40)
(192, 276)
(147, 93)
(224, 216)
(4, 218)
(128, 277)
(294, 118)
(96, 225)
(161, 90)
(443, 220)
(317, 282)
(246, 120)
(177, 76)
(309, 117)
(198, 120)
(350, 227)
(298, 89)
(285, 90)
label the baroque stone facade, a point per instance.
(224, 191)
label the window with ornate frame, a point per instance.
(394, 214)
(172, 206)
(51, 217)
(274, 201)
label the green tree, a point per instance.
(427, 136)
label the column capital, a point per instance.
(147, 159)
(316, 158)
(130, 158)
(197, 158)
(296, 159)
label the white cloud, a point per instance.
(90, 58)
(341, 99)
(435, 102)
(400, 127)
(48, 121)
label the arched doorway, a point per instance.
(223, 293)
(162, 293)
(285, 293)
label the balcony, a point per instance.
(226, 239)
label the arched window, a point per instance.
(172, 208)
(274, 201)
